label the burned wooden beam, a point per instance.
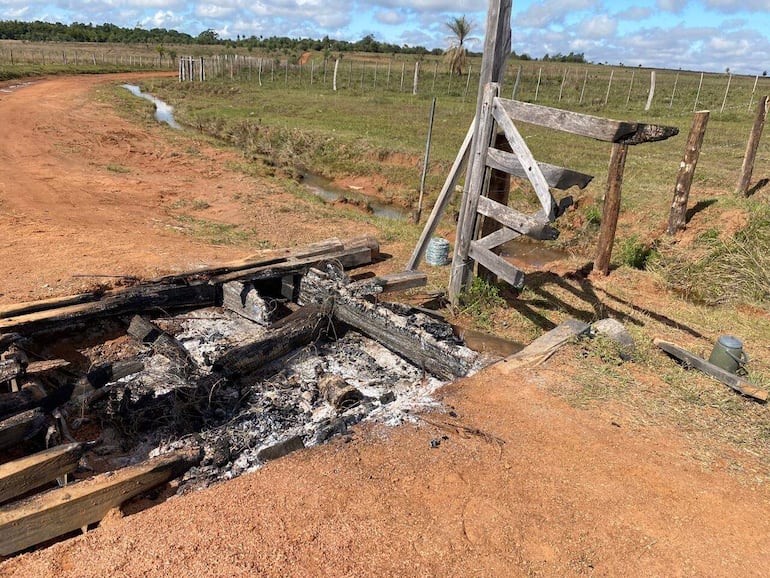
(102, 374)
(393, 282)
(57, 512)
(296, 330)
(31, 472)
(112, 303)
(349, 258)
(162, 343)
(21, 427)
(244, 300)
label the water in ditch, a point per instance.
(163, 112)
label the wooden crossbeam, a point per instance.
(556, 177)
(52, 514)
(499, 237)
(603, 129)
(517, 221)
(31, 472)
(527, 161)
(502, 268)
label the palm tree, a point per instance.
(455, 55)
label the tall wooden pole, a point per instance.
(418, 214)
(751, 148)
(611, 208)
(678, 217)
(497, 46)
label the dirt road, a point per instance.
(520, 484)
(84, 192)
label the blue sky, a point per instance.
(708, 35)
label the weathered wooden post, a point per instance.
(727, 89)
(497, 45)
(609, 86)
(416, 77)
(611, 208)
(677, 218)
(630, 88)
(697, 94)
(418, 214)
(751, 148)
(334, 78)
(651, 94)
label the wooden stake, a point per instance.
(630, 88)
(418, 214)
(609, 86)
(611, 208)
(697, 94)
(537, 88)
(651, 94)
(751, 148)
(727, 89)
(583, 90)
(677, 217)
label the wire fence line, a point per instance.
(585, 87)
(575, 86)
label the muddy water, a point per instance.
(325, 189)
(163, 112)
(528, 254)
(487, 343)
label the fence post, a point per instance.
(697, 94)
(563, 80)
(673, 92)
(418, 214)
(724, 100)
(630, 88)
(403, 68)
(435, 71)
(516, 84)
(468, 81)
(677, 218)
(609, 85)
(334, 78)
(611, 209)
(651, 95)
(753, 91)
(751, 148)
(416, 74)
(539, 76)
(583, 90)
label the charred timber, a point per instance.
(296, 330)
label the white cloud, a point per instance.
(675, 6)
(598, 27)
(732, 6)
(389, 17)
(550, 12)
(635, 13)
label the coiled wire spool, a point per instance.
(437, 252)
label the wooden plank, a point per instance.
(611, 209)
(517, 221)
(24, 308)
(544, 346)
(442, 201)
(731, 380)
(20, 427)
(603, 129)
(10, 369)
(528, 162)
(262, 259)
(349, 258)
(46, 366)
(499, 266)
(57, 512)
(132, 300)
(389, 283)
(499, 237)
(162, 343)
(29, 473)
(466, 225)
(556, 177)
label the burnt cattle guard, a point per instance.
(203, 376)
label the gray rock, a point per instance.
(614, 330)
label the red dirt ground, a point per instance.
(522, 485)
